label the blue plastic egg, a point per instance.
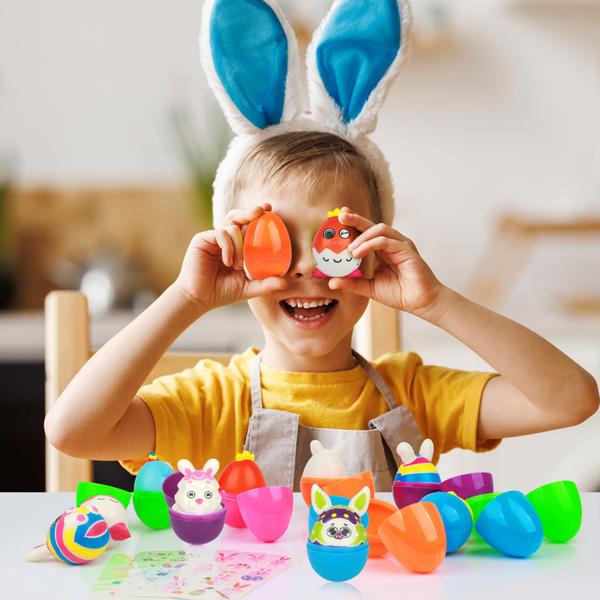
(335, 501)
(337, 563)
(510, 524)
(456, 517)
(152, 476)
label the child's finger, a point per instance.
(381, 229)
(381, 243)
(235, 234)
(359, 286)
(226, 245)
(262, 287)
(239, 216)
(347, 217)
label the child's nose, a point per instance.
(302, 263)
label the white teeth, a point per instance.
(301, 318)
(312, 304)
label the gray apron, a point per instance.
(281, 446)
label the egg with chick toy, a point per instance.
(330, 249)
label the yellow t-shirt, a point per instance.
(203, 412)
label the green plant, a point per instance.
(201, 152)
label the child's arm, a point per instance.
(98, 416)
(539, 387)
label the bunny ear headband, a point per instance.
(250, 55)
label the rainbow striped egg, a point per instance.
(420, 470)
(78, 536)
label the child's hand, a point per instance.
(212, 272)
(402, 280)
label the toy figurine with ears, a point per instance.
(250, 56)
(326, 462)
(416, 468)
(339, 525)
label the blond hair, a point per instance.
(312, 154)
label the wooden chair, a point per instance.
(68, 348)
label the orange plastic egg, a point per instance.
(416, 537)
(267, 247)
(350, 486)
(379, 511)
(241, 475)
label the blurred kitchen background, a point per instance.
(109, 139)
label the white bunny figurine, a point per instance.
(326, 462)
(198, 490)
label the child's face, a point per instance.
(328, 325)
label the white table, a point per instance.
(556, 571)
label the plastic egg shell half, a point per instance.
(456, 516)
(415, 536)
(510, 524)
(152, 475)
(193, 529)
(267, 247)
(337, 563)
(558, 505)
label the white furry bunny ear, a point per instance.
(353, 58)
(250, 56)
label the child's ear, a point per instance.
(360, 503)
(353, 58)
(426, 449)
(250, 56)
(319, 499)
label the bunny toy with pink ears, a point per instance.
(198, 489)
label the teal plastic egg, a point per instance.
(510, 524)
(152, 476)
(337, 563)
(456, 517)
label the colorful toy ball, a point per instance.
(77, 537)
(267, 247)
(510, 524)
(559, 506)
(456, 515)
(330, 249)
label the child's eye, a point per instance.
(208, 495)
(191, 494)
(344, 233)
(329, 233)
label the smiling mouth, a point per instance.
(308, 309)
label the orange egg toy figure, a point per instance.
(330, 249)
(267, 247)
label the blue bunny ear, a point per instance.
(353, 58)
(249, 53)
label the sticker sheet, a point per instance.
(187, 574)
